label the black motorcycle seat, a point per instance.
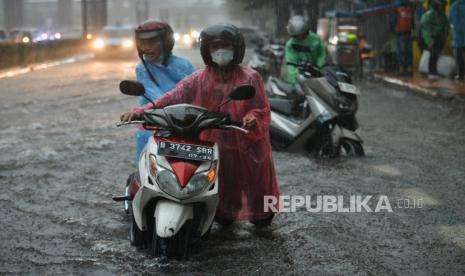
(284, 86)
(282, 106)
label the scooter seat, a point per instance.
(282, 106)
(284, 86)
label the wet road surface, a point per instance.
(62, 158)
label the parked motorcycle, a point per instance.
(268, 59)
(317, 115)
(277, 57)
(260, 61)
(172, 199)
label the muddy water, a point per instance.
(62, 158)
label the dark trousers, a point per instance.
(458, 54)
(435, 50)
(404, 49)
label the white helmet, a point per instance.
(297, 26)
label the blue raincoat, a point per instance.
(167, 77)
(457, 20)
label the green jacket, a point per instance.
(317, 54)
(433, 24)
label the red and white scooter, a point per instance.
(173, 197)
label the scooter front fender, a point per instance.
(170, 217)
(339, 132)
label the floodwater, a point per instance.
(62, 159)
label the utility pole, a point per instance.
(146, 9)
(142, 10)
(138, 12)
(65, 13)
(282, 13)
(165, 14)
(94, 16)
(13, 12)
(84, 17)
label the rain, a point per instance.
(63, 158)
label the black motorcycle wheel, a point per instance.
(136, 236)
(325, 149)
(206, 236)
(351, 148)
(177, 246)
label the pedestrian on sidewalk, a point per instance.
(402, 27)
(434, 27)
(457, 22)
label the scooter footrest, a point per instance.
(121, 198)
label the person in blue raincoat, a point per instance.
(159, 70)
(457, 22)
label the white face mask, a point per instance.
(222, 56)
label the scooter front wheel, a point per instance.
(351, 148)
(325, 149)
(177, 246)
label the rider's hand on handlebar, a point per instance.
(128, 116)
(249, 120)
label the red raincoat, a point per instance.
(246, 170)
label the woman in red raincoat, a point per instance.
(247, 172)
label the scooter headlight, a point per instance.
(345, 106)
(168, 183)
(197, 184)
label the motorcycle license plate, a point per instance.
(185, 151)
(347, 87)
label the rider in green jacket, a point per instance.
(301, 35)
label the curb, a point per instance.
(39, 66)
(441, 93)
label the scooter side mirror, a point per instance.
(132, 88)
(243, 92)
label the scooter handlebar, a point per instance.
(236, 123)
(236, 128)
(119, 124)
(307, 67)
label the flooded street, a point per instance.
(62, 159)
